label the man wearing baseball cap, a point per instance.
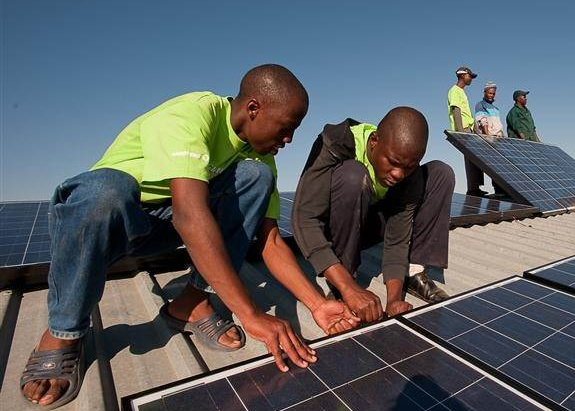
(488, 121)
(461, 119)
(520, 123)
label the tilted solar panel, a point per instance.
(519, 330)
(511, 177)
(548, 166)
(559, 274)
(383, 367)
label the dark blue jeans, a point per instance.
(97, 217)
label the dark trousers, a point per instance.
(355, 223)
(474, 176)
(473, 173)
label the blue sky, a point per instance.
(74, 73)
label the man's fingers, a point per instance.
(291, 352)
(306, 353)
(276, 351)
(350, 315)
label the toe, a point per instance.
(29, 389)
(41, 388)
(57, 388)
(230, 338)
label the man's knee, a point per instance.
(100, 193)
(442, 172)
(255, 175)
(351, 178)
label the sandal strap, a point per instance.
(57, 364)
(214, 326)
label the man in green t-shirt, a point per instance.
(461, 120)
(520, 122)
(363, 184)
(197, 170)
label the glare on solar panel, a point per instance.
(383, 367)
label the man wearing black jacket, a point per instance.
(363, 184)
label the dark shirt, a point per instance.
(519, 120)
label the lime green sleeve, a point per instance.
(454, 99)
(176, 146)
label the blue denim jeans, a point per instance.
(97, 218)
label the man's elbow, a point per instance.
(182, 219)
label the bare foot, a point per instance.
(192, 305)
(45, 392)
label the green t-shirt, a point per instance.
(456, 97)
(361, 133)
(189, 136)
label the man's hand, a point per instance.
(364, 303)
(278, 336)
(397, 307)
(334, 317)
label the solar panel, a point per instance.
(383, 367)
(25, 247)
(24, 235)
(548, 166)
(510, 176)
(560, 274)
(465, 210)
(521, 331)
(506, 210)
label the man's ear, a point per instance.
(373, 140)
(253, 108)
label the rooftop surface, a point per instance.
(131, 349)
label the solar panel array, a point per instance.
(560, 274)
(25, 242)
(532, 173)
(383, 367)
(519, 330)
(465, 210)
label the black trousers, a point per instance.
(474, 176)
(355, 223)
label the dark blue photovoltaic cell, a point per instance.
(386, 368)
(24, 235)
(529, 338)
(512, 177)
(559, 274)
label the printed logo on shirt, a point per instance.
(189, 154)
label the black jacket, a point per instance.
(311, 209)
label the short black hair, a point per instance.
(272, 82)
(407, 125)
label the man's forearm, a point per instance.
(339, 277)
(457, 119)
(283, 265)
(202, 237)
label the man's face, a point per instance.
(391, 162)
(272, 126)
(522, 100)
(489, 95)
(467, 79)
